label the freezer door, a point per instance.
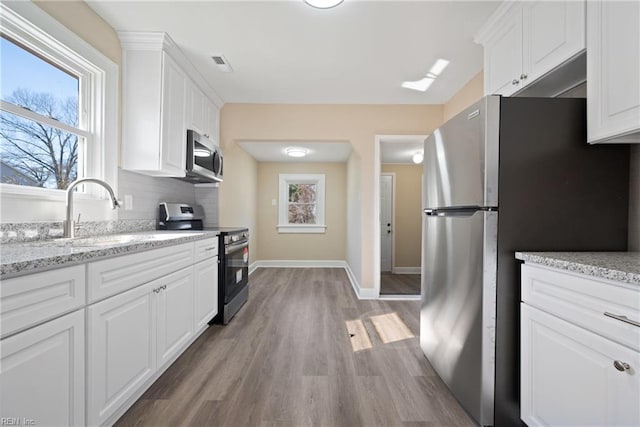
(461, 158)
(457, 317)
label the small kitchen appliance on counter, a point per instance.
(233, 260)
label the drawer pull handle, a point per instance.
(621, 366)
(622, 318)
(210, 248)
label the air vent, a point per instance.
(222, 63)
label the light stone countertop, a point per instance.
(618, 266)
(17, 259)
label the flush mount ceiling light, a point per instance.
(423, 84)
(323, 4)
(296, 152)
(200, 152)
(417, 158)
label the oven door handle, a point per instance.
(232, 248)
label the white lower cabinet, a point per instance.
(580, 351)
(42, 375)
(175, 319)
(121, 349)
(569, 377)
(134, 334)
(206, 291)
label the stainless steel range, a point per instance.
(233, 268)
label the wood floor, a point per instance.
(400, 284)
(287, 359)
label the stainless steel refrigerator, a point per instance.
(506, 175)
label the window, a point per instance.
(58, 115)
(301, 208)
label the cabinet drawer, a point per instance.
(206, 248)
(583, 301)
(28, 300)
(114, 275)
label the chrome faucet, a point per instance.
(69, 223)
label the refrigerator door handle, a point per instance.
(462, 211)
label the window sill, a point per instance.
(301, 228)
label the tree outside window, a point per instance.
(41, 144)
(301, 208)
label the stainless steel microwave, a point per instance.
(204, 159)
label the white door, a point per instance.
(206, 291)
(569, 377)
(175, 314)
(42, 374)
(386, 222)
(121, 350)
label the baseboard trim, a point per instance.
(311, 263)
(399, 297)
(406, 270)
(252, 267)
(361, 293)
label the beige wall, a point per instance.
(330, 245)
(77, 16)
(357, 124)
(467, 95)
(408, 214)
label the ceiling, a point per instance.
(287, 52)
(399, 152)
(325, 152)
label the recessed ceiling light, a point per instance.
(296, 152)
(323, 4)
(417, 158)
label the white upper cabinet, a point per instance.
(162, 98)
(613, 71)
(523, 41)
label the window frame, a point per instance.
(31, 27)
(284, 180)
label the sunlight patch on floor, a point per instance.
(391, 328)
(359, 336)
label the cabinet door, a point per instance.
(568, 375)
(174, 133)
(121, 350)
(196, 105)
(553, 32)
(213, 123)
(206, 291)
(175, 313)
(613, 67)
(42, 373)
(503, 56)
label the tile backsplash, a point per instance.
(147, 192)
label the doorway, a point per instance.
(399, 226)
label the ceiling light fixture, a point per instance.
(417, 158)
(201, 152)
(323, 4)
(296, 152)
(423, 84)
